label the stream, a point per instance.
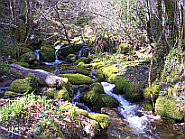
(140, 125)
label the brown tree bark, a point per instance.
(45, 79)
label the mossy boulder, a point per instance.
(96, 64)
(154, 90)
(169, 109)
(98, 100)
(66, 50)
(47, 53)
(26, 50)
(20, 86)
(102, 119)
(83, 71)
(28, 57)
(147, 106)
(83, 65)
(50, 93)
(71, 107)
(108, 71)
(77, 79)
(71, 58)
(63, 94)
(124, 48)
(133, 92)
(97, 87)
(24, 64)
(120, 85)
(112, 78)
(9, 93)
(38, 63)
(99, 77)
(82, 59)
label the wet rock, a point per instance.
(71, 58)
(47, 53)
(77, 79)
(28, 57)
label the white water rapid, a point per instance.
(37, 53)
(57, 47)
(137, 121)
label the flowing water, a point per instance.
(140, 126)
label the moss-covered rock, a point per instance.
(82, 59)
(50, 93)
(120, 85)
(83, 65)
(47, 53)
(71, 58)
(38, 63)
(26, 50)
(20, 86)
(147, 106)
(99, 77)
(154, 90)
(133, 92)
(124, 48)
(28, 57)
(97, 87)
(83, 71)
(102, 119)
(112, 78)
(108, 71)
(90, 57)
(98, 100)
(77, 78)
(24, 64)
(63, 94)
(9, 93)
(97, 64)
(169, 110)
(66, 50)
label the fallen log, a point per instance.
(45, 79)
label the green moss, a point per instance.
(91, 97)
(63, 94)
(167, 110)
(66, 50)
(96, 64)
(120, 85)
(26, 50)
(154, 90)
(108, 71)
(102, 119)
(28, 57)
(8, 93)
(24, 64)
(57, 42)
(83, 71)
(77, 78)
(124, 48)
(147, 106)
(82, 59)
(99, 77)
(47, 53)
(112, 78)
(20, 86)
(133, 93)
(97, 87)
(71, 58)
(90, 58)
(107, 101)
(50, 93)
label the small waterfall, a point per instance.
(37, 54)
(57, 47)
(84, 52)
(76, 100)
(137, 121)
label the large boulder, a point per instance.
(63, 94)
(108, 71)
(169, 109)
(47, 53)
(20, 86)
(77, 78)
(28, 57)
(66, 50)
(71, 58)
(97, 99)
